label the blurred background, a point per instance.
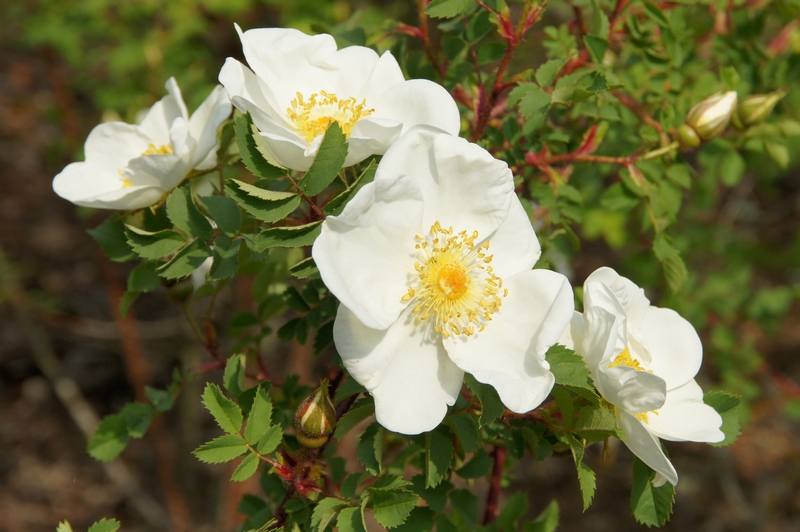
(67, 358)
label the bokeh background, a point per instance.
(67, 358)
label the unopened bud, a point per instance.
(688, 137)
(315, 418)
(755, 109)
(710, 117)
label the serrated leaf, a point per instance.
(246, 468)
(126, 301)
(329, 160)
(547, 521)
(110, 438)
(154, 245)
(351, 520)
(288, 237)
(370, 448)
(446, 8)
(335, 206)
(324, 337)
(224, 212)
(105, 525)
(253, 155)
(597, 47)
(436, 498)
(162, 400)
(260, 418)
(419, 520)
(491, 405)
(227, 414)
(514, 509)
(271, 440)
(391, 507)
(466, 428)
(137, 418)
(594, 418)
(222, 449)
(266, 205)
(183, 213)
(466, 503)
(226, 258)
(438, 457)
(144, 278)
(651, 506)
(360, 411)
(346, 389)
(568, 367)
(185, 262)
(64, 526)
(324, 512)
(655, 13)
(588, 483)
(233, 376)
(305, 269)
(727, 406)
(110, 235)
(479, 465)
(547, 72)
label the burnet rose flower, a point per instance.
(643, 360)
(299, 84)
(432, 265)
(133, 166)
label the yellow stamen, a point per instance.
(312, 117)
(625, 359)
(160, 150)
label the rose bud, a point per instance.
(710, 117)
(315, 418)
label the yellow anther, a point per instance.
(152, 149)
(313, 116)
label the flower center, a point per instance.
(313, 116)
(160, 150)
(455, 288)
(625, 359)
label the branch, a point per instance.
(499, 458)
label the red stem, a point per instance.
(499, 458)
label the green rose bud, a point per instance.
(315, 418)
(710, 117)
(688, 137)
(755, 109)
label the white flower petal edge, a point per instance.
(301, 83)
(643, 360)
(420, 300)
(134, 166)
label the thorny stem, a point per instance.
(499, 459)
(313, 205)
(547, 160)
(440, 67)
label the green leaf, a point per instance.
(547, 521)
(438, 457)
(533, 101)
(335, 206)
(260, 418)
(111, 236)
(547, 72)
(64, 526)
(655, 13)
(329, 160)
(305, 269)
(732, 168)
(254, 154)
(271, 440)
(466, 428)
(586, 478)
(681, 175)
(617, 198)
(730, 78)
(246, 468)
(154, 245)
(391, 507)
(351, 520)
(370, 448)
(182, 212)
(436, 498)
(568, 367)
(162, 400)
(466, 503)
(288, 237)
(491, 405)
(514, 509)
(360, 411)
(419, 520)
(185, 261)
(105, 525)
(346, 389)
(651, 506)
(266, 205)
(727, 406)
(126, 302)
(778, 152)
(324, 512)
(224, 212)
(597, 47)
(227, 414)
(109, 439)
(595, 419)
(226, 258)
(479, 465)
(144, 278)
(233, 377)
(137, 418)
(446, 8)
(222, 449)
(674, 268)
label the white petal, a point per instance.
(182, 143)
(509, 353)
(631, 390)
(175, 107)
(112, 144)
(419, 102)
(167, 169)
(371, 136)
(675, 349)
(366, 255)
(385, 75)
(611, 297)
(412, 380)
(514, 245)
(645, 446)
(572, 337)
(462, 184)
(205, 122)
(356, 65)
(601, 338)
(91, 186)
(240, 83)
(684, 417)
(159, 118)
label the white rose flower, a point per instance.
(133, 166)
(299, 84)
(643, 360)
(432, 265)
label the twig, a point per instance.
(499, 458)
